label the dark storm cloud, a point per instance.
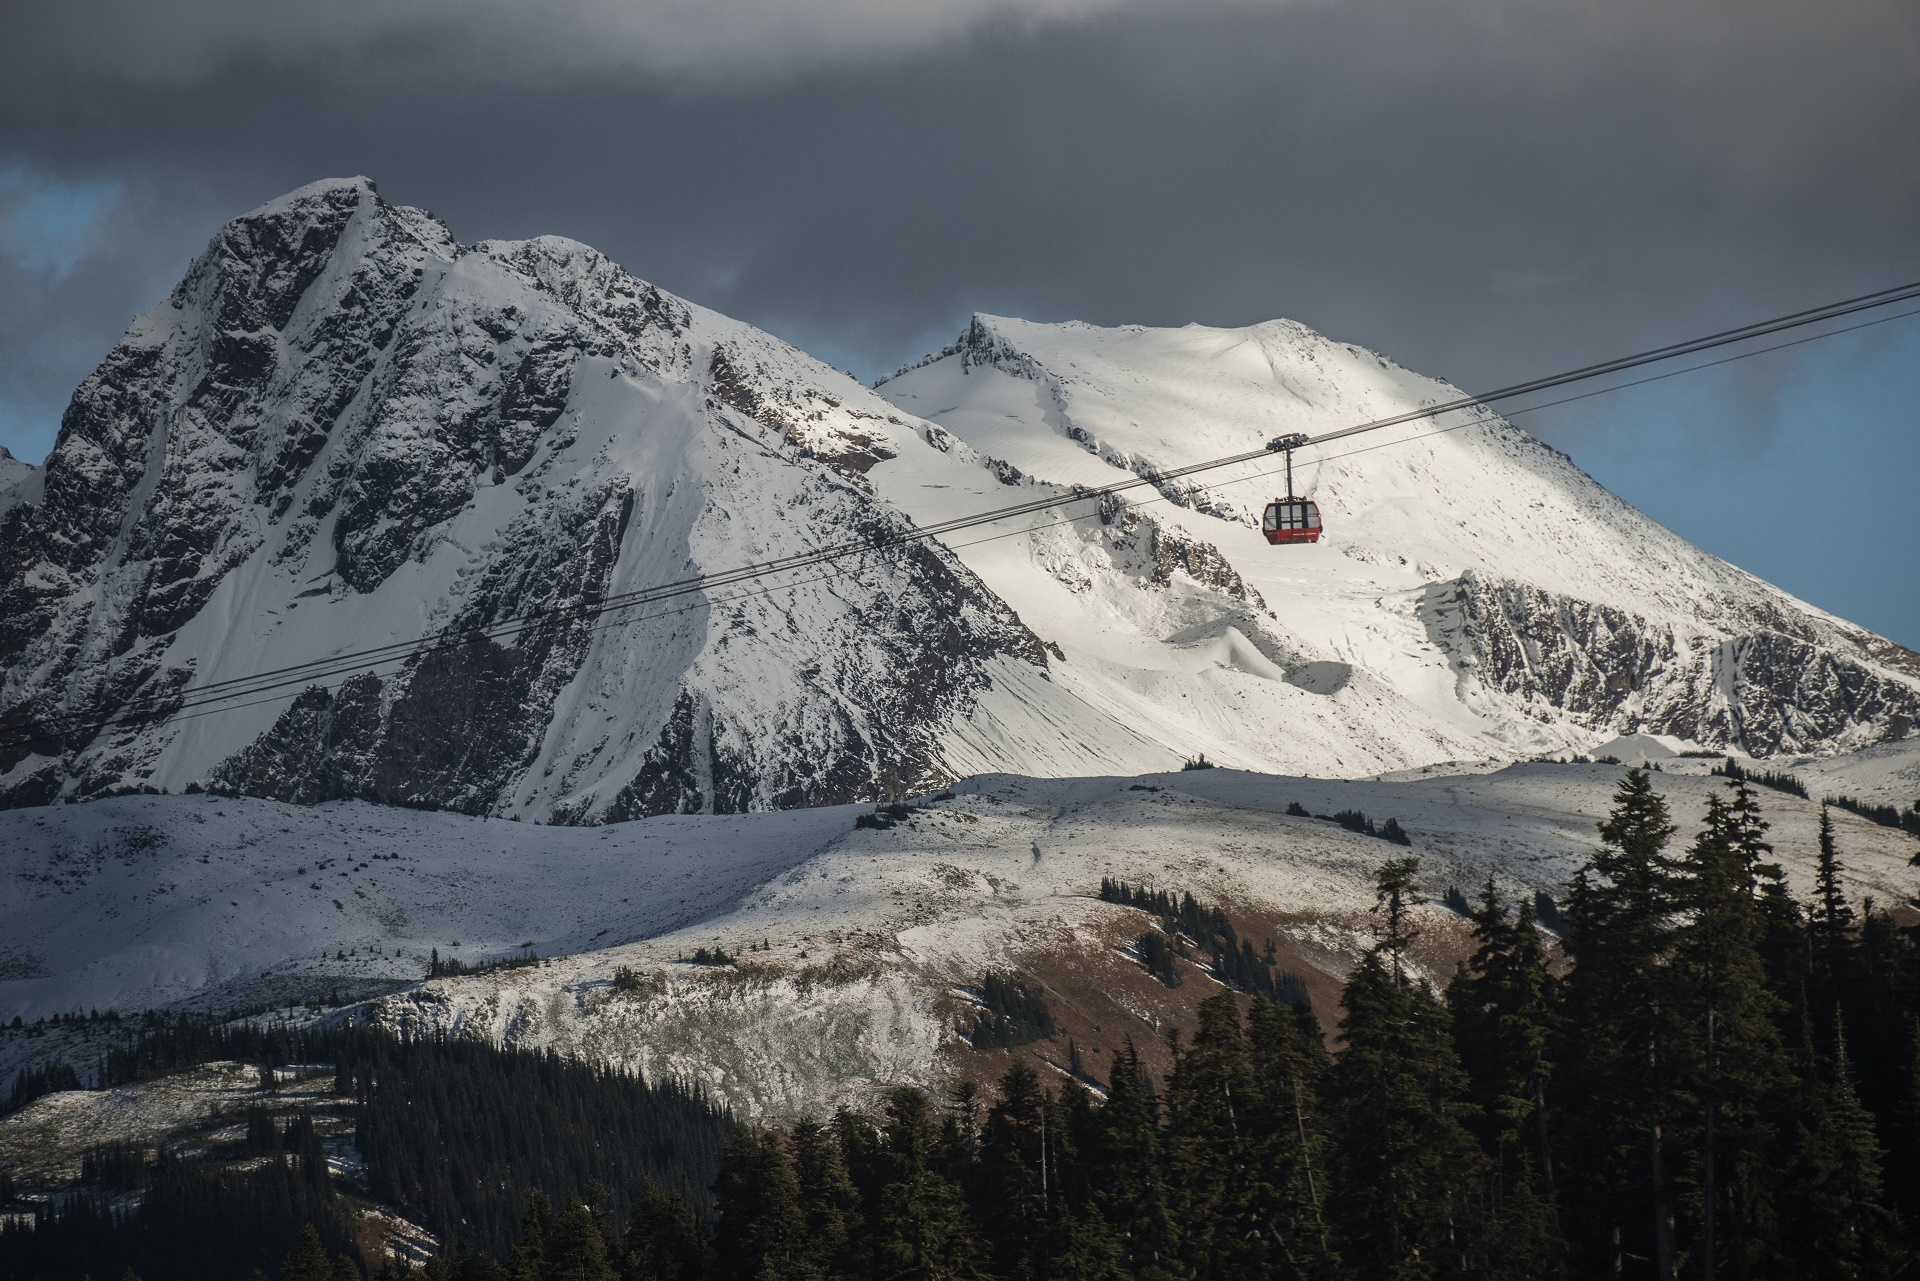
(1482, 189)
(697, 40)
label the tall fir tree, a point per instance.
(1086, 1247)
(1130, 1188)
(761, 1231)
(1409, 1173)
(1504, 1007)
(528, 1261)
(1882, 994)
(920, 1228)
(1617, 1093)
(1726, 1061)
(578, 1249)
(1837, 1226)
(1089, 1250)
(1830, 916)
(1014, 1160)
(1287, 1201)
(308, 1262)
(664, 1241)
(1210, 1147)
(828, 1202)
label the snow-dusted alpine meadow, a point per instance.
(854, 946)
(345, 429)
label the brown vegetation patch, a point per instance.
(1102, 1000)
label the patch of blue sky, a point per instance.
(1797, 466)
(46, 222)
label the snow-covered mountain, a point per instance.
(1466, 568)
(345, 429)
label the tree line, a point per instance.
(1186, 928)
(1715, 1079)
(455, 1134)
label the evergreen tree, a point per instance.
(528, 1261)
(1074, 1137)
(1086, 1245)
(1727, 1058)
(578, 1249)
(1838, 1228)
(664, 1241)
(262, 1137)
(828, 1202)
(1881, 996)
(960, 1137)
(920, 1228)
(1287, 1200)
(1830, 918)
(1786, 955)
(308, 1262)
(1014, 1183)
(1408, 1171)
(1617, 1093)
(1211, 1149)
(1504, 1017)
(1130, 1187)
(761, 1229)
(1089, 1250)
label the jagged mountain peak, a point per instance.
(345, 429)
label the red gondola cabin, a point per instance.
(1291, 520)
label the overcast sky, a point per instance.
(1484, 190)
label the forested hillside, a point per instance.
(1704, 1077)
(455, 1136)
(1711, 1079)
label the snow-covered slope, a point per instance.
(1478, 583)
(345, 429)
(854, 944)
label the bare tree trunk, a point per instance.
(1662, 1211)
(1707, 1260)
(1306, 1161)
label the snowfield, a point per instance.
(854, 945)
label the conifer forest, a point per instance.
(1700, 1075)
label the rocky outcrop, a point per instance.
(1765, 691)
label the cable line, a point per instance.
(150, 707)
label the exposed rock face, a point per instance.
(345, 429)
(1790, 687)
(1146, 546)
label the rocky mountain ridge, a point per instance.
(345, 429)
(341, 412)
